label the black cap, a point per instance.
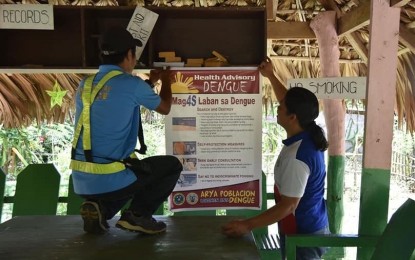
(117, 40)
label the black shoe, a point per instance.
(94, 223)
(147, 225)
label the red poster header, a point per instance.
(216, 82)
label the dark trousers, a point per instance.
(147, 193)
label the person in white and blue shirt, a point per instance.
(300, 171)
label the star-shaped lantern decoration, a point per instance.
(56, 95)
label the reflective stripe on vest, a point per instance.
(98, 168)
(84, 122)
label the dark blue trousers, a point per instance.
(147, 193)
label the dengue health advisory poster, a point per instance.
(214, 129)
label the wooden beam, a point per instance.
(324, 26)
(298, 11)
(407, 37)
(403, 51)
(302, 45)
(354, 20)
(331, 5)
(348, 23)
(410, 25)
(381, 85)
(358, 45)
(312, 59)
(289, 31)
(272, 7)
(270, 51)
(378, 133)
(399, 3)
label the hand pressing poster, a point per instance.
(214, 129)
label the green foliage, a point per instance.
(34, 144)
(403, 141)
(272, 136)
(354, 126)
(18, 148)
(51, 143)
(154, 137)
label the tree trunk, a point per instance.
(324, 26)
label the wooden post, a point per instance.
(380, 94)
(324, 26)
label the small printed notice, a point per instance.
(26, 16)
(333, 88)
(141, 25)
(214, 129)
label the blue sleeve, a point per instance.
(145, 95)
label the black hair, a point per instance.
(116, 58)
(304, 104)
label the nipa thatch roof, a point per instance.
(23, 97)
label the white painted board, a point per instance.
(333, 88)
(26, 16)
(141, 25)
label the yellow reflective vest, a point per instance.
(84, 122)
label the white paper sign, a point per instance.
(141, 25)
(333, 88)
(26, 16)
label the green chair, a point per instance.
(37, 190)
(396, 242)
(268, 245)
(160, 210)
(74, 200)
(398, 239)
(196, 213)
(2, 188)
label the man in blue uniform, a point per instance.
(105, 169)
